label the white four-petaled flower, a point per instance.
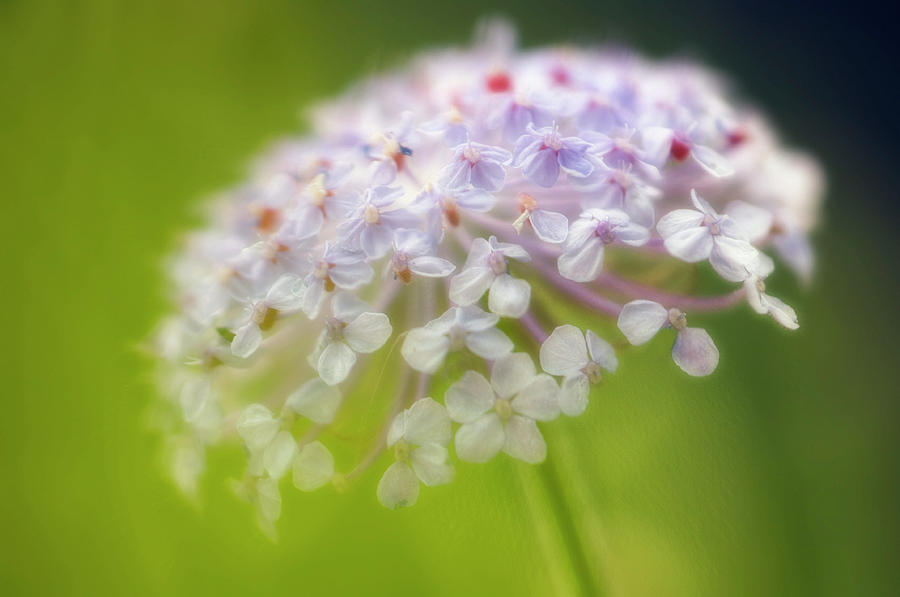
(426, 348)
(579, 359)
(418, 437)
(695, 235)
(352, 329)
(486, 268)
(502, 414)
(693, 351)
(582, 257)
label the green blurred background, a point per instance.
(777, 476)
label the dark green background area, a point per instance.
(776, 476)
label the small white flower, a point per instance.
(579, 358)
(693, 351)
(549, 226)
(418, 437)
(257, 427)
(352, 329)
(279, 454)
(582, 257)
(313, 467)
(426, 348)
(502, 414)
(764, 303)
(316, 400)
(338, 267)
(695, 235)
(268, 499)
(662, 143)
(414, 254)
(283, 297)
(486, 269)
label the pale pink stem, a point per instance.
(670, 299)
(534, 328)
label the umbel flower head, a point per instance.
(388, 294)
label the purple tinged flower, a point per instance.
(549, 226)
(372, 223)
(580, 359)
(486, 269)
(450, 125)
(541, 153)
(339, 267)
(582, 257)
(353, 328)
(283, 297)
(321, 199)
(620, 188)
(476, 166)
(425, 348)
(763, 303)
(441, 206)
(694, 351)
(516, 114)
(695, 235)
(662, 143)
(414, 254)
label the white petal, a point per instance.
(601, 352)
(479, 251)
(469, 398)
(711, 161)
(583, 264)
(269, 500)
(489, 344)
(782, 312)
(677, 221)
(431, 463)
(481, 439)
(257, 427)
(368, 332)
(691, 245)
(346, 306)
(470, 284)
(754, 296)
(427, 422)
(539, 400)
(549, 226)
(195, 395)
(425, 349)
(472, 319)
(509, 297)
(733, 259)
(246, 341)
(313, 467)
(285, 294)
(524, 440)
(398, 487)
(695, 352)
(640, 320)
(754, 221)
(316, 400)
(564, 352)
(511, 373)
(431, 267)
(573, 396)
(335, 362)
(278, 456)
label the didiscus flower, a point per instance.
(516, 205)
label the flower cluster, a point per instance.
(419, 214)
